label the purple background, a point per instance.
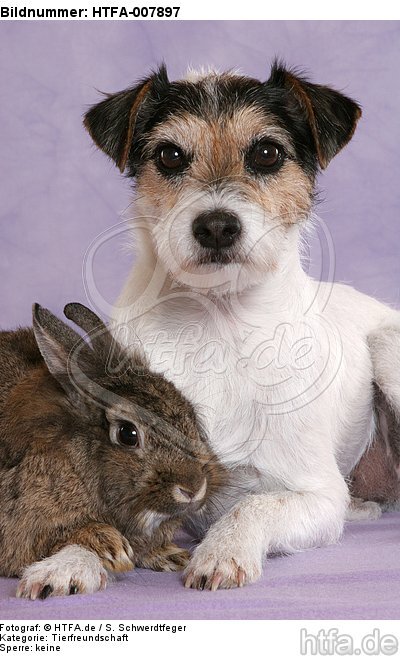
(57, 193)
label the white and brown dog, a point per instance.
(284, 369)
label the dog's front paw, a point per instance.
(71, 570)
(216, 566)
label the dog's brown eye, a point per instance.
(125, 433)
(265, 157)
(170, 159)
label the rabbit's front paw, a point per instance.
(71, 570)
(108, 543)
(169, 558)
(216, 564)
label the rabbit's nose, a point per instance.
(183, 495)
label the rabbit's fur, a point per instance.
(63, 481)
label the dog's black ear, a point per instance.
(332, 117)
(111, 123)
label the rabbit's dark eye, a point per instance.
(125, 433)
(128, 434)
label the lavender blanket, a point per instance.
(357, 579)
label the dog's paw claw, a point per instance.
(203, 582)
(215, 582)
(45, 592)
(212, 573)
(241, 577)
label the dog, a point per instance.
(282, 368)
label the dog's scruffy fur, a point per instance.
(282, 367)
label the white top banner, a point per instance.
(134, 10)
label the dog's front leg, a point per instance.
(233, 550)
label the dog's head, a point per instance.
(225, 165)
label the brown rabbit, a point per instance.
(100, 459)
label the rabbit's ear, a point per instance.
(107, 351)
(57, 344)
(98, 333)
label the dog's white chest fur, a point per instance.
(269, 385)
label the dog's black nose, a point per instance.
(216, 229)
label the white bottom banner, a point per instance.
(276, 638)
